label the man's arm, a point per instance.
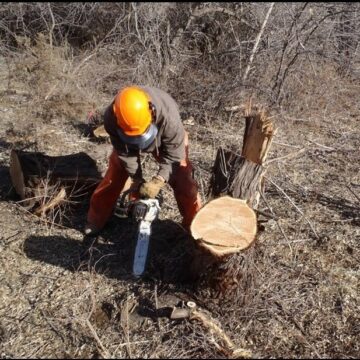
(172, 148)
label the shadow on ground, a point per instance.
(6, 192)
(111, 253)
(346, 209)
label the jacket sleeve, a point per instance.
(173, 147)
(129, 158)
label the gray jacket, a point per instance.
(168, 146)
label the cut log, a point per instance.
(41, 180)
(17, 175)
(78, 167)
(224, 226)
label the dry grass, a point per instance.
(295, 295)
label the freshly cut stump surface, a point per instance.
(225, 225)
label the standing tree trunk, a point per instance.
(240, 176)
(222, 230)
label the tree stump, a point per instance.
(225, 226)
(45, 182)
(224, 229)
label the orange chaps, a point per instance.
(104, 198)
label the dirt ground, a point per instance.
(298, 296)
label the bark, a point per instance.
(237, 175)
(41, 180)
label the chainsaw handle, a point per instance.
(122, 201)
(126, 204)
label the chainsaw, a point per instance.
(144, 212)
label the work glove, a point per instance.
(152, 188)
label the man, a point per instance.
(144, 119)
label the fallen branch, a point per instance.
(105, 352)
(229, 347)
(235, 108)
(276, 220)
(257, 41)
(18, 206)
(270, 216)
(351, 190)
(286, 156)
(124, 320)
(322, 146)
(48, 184)
(55, 201)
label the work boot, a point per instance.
(91, 230)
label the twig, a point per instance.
(125, 326)
(235, 108)
(351, 190)
(84, 61)
(230, 348)
(272, 216)
(53, 328)
(285, 156)
(283, 144)
(157, 307)
(37, 275)
(134, 342)
(295, 206)
(105, 353)
(320, 145)
(55, 201)
(258, 37)
(275, 218)
(93, 302)
(341, 220)
(10, 237)
(133, 5)
(52, 25)
(52, 90)
(41, 219)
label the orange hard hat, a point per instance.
(132, 111)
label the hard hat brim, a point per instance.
(140, 141)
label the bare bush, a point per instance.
(163, 44)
